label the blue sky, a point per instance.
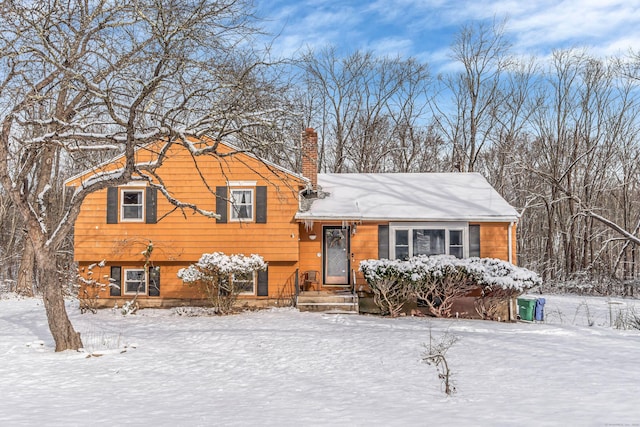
(425, 28)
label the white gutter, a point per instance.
(301, 216)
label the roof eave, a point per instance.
(304, 216)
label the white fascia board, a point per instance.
(304, 217)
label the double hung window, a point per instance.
(132, 205)
(244, 283)
(241, 204)
(135, 281)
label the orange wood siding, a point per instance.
(282, 277)
(494, 240)
(178, 237)
(311, 250)
(364, 245)
(281, 282)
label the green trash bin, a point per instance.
(526, 308)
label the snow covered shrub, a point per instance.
(214, 274)
(501, 281)
(390, 282)
(499, 274)
(437, 281)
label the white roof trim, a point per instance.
(303, 217)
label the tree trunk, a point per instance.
(25, 282)
(65, 337)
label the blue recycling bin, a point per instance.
(540, 309)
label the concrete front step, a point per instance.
(326, 302)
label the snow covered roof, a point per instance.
(408, 197)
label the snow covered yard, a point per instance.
(283, 367)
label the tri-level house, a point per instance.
(312, 229)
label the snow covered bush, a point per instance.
(390, 282)
(498, 274)
(214, 274)
(437, 281)
(501, 281)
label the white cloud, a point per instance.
(391, 46)
(426, 28)
(594, 24)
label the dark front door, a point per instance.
(336, 255)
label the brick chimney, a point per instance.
(309, 147)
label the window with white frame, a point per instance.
(244, 283)
(456, 246)
(241, 204)
(409, 240)
(135, 281)
(131, 205)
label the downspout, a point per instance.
(510, 242)
(510, 252)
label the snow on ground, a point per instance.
(283, 367)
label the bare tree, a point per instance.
(368, 107)
(10, 241)
(482, 52)
(435, 354)
(581, 135)
(84, 80)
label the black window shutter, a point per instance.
(115, 290)
(383, 242)
(263, 283)
(154, 281)
(261, 205)
(474, 240)
(151, 205)
(112, 205)
(221, 204)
